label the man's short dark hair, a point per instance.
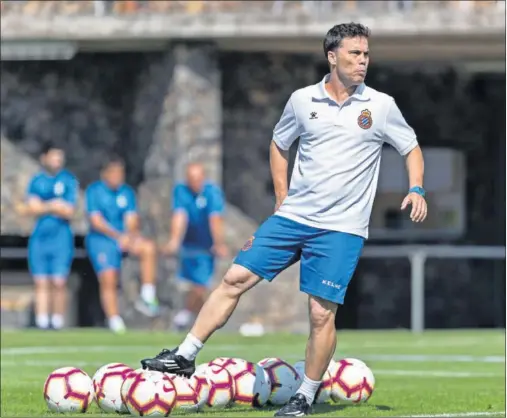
(49, 146)
(338, 33)
(112, 159)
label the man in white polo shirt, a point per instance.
(322, 219)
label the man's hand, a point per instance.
(124, 241)
(171, 248)
(220, 250)
(419, 207)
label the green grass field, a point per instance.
(444, 373)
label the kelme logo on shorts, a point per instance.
(331, 284)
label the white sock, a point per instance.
(57, 321)
(309, 388)
(190, 347)
(148, 292)
(116, 323)
(42, 321)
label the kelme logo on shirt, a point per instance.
(58, 188)
(121, 201)
(201, 202)
(248, 244)
(364, 120)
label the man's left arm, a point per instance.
(402, 137)
(216, 223)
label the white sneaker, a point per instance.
(117, 325)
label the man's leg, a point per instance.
(274, 247)
(59, 301)
(38, 266)
(328, 262)
(146, 251)
(106, 261)
(198, 272)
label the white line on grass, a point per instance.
(409, 358)
(456, 415)
(412, 373)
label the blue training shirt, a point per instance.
(46, 186)
(198, 208)
(111, 204)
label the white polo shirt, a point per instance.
(335, 174)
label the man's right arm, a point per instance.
(97, 221)
(285, 133)
(178, 222)
(33, 204)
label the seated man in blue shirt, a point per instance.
(197, 235)
(114, 231)
(51, 198)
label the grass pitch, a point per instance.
(438, 373)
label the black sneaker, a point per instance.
(167, 361)
(296, 407)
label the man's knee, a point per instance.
(42, 284)
(148, 248)
(238, 280)
(59, 283)
(322, 312)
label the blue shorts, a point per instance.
(50, 260)
(104, 255)
(328, 258)
(197, 269)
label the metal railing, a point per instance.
(417, 255)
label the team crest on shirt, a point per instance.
(58, 188)
(364, 120)
(248, 244)
(121, 201)
(201, 202)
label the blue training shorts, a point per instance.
(197, 268)
(328, 258)
(50, 259)
(104, 254)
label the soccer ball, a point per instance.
(323, 394)
(107, 382)
(352, 382)
(68, 390)
(149, 393)
(356, 362)
(220, 383)
(186, 397)
(285, 380)
(201, 386)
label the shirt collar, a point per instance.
(361, 92)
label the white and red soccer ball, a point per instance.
(285, 380)
(107, 382)
(352, 381)
(186, 397)
(148, 393)
(252, 386)
(220, 385)
(68, 389)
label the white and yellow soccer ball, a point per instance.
(353, 382)
(323, 394)
(107, 383)
(186, 398)
(149, 393)
(68, 389)
(220, 385)
(285, 380)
